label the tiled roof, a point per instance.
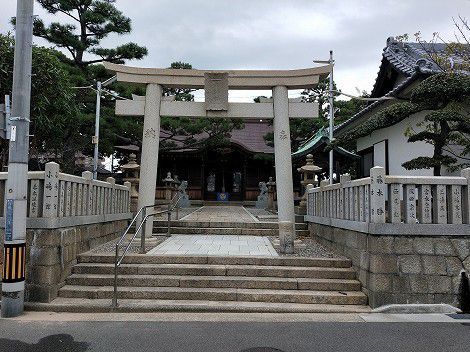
(318, 139)
(250, 138)
(409, 59)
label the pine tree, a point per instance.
(92, 21)
(445, 99)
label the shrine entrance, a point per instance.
(216, 85)
(225, 175)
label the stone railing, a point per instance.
(381, 203)
(57, 200)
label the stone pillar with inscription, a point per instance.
(377, 195)
(150, 146)
(51, 190)
(283, 160)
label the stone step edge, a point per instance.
(231, 224)
(307, 262)
(214, 278)
(217, 294)
(217, 270)
(237, 291)
(244, 229)
(81, 305)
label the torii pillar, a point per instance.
(150, 147)
(283, 166)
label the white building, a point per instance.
(403, 67)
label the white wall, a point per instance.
(399, 150)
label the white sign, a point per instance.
(13, 134)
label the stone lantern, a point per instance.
(168, 182)
(131, 174)
(308, 172)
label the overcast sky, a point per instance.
(274, 34)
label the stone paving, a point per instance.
(221, 213)
(226, 245)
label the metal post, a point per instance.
(114, 303)
(96, 137)
(142, 231)
(169, 224)
(331, 116)
(17, 183)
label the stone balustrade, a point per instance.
(406, 201)
(67, 215)
(58, 200)
(408, 237)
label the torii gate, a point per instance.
(216, 85)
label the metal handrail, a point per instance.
(117, 262)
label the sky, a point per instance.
(273, 34)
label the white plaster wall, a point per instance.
(399, 150)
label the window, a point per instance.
(367, 161)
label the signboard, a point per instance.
(9, 220)
(222, 197)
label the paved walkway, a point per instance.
(229, 245)
(219, 213)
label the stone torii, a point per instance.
(216, 85)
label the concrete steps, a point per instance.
(217, 294)
(225, 224)
(224, 228)
(84, 305)
(218, 260)
(245, 284)
(216, 270)
(215, 282)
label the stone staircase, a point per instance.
(224, 228)
(205, 283)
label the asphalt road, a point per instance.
(18, 336)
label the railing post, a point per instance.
(114, 302)
(343, 200)
(142, 231)
(88, 192)
(466, 196)
(127, 202)
(377, 194)
(169, 223)
(409, 195)
(111, 195)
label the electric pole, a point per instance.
(17, 183)
(331, 115)
(96, 137)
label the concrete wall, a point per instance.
(401, 269)
(51, 253)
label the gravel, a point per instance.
(307, 248)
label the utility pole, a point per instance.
(17, 183)
(96, 137)
(331, 115)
